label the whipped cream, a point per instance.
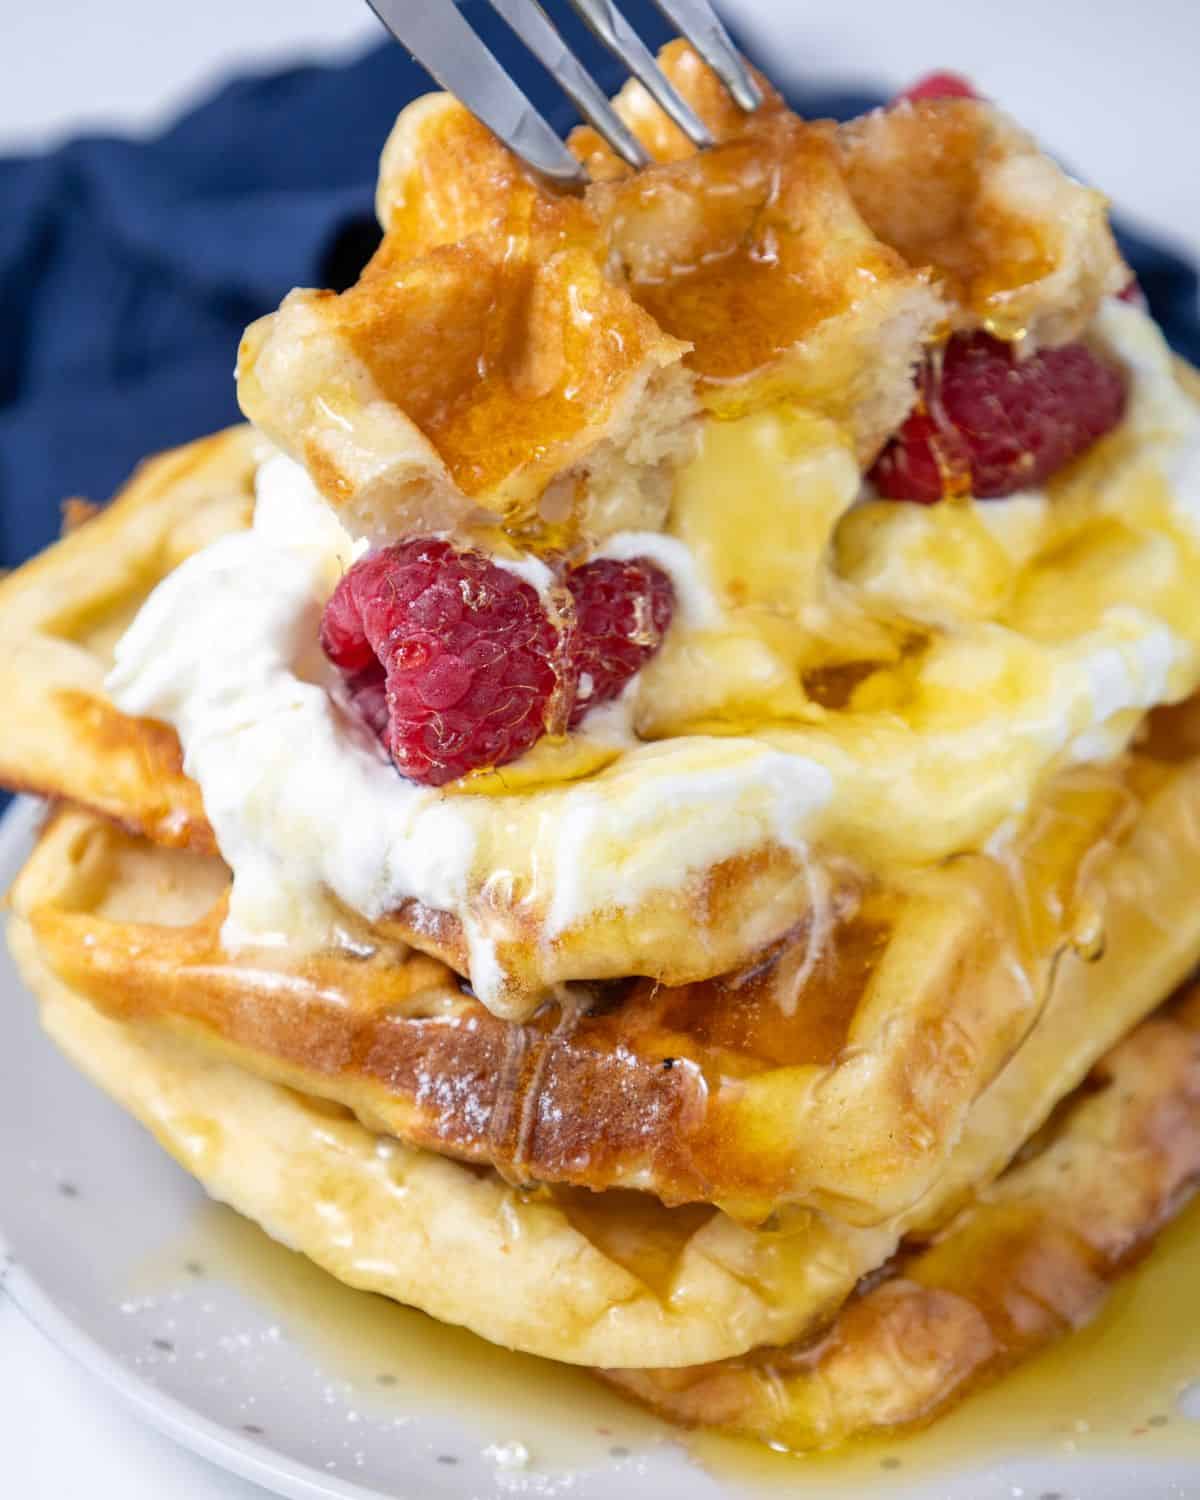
(305, 804)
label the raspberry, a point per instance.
(988, 424)
(622, 611)
(940, 86)
(342, 638)
(455, 665)
(368, 693)
(467, 658)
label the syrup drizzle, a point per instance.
(1127, 1385)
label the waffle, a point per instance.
(379, 393)
(63, 611)
(1028, 1259)
(1032, 1258)
(1016, 246)
(498, 320)
(838, 1079)
(733, 1028)
(73, 743)
(494, 321)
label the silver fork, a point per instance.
(440, 38)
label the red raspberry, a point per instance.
(454, 663)
(469, 659)
(988, 424)
(342, 637)
(940, 86)
(622, 611)
(368, 693)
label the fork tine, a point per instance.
(701, 26)
(618, 36)
(443, 43)
(537, 31)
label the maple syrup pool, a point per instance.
(1128, 1384)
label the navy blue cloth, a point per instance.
(129, 269)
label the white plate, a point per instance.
(253, 1358)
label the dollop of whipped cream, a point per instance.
(305, 804)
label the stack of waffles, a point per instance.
(791, 1030)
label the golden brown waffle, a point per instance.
(844, 1039)
(476, 362)
(616, 1280)
(63, 612)
(452, 390)
(1032, 1258)
(951, 184)
(505, 340)
(839, 1078)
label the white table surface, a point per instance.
(1112, 88)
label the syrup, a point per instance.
(383, 1358)
(1123, 1385)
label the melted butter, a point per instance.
(757, 505)
(1112, 1387)
(552, 761)
(972, 645)
(756, 508)
(933, 563)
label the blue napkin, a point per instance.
(129, 269)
